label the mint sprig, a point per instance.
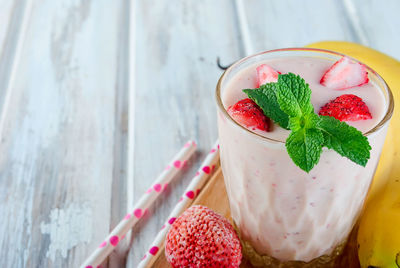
(288, 103)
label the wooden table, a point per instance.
(96, 96)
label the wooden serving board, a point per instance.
(214, 196)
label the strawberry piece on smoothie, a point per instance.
(202, 238)
(345, 74)
(346, 107)
(247, 113)
(266, 74)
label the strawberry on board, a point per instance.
(247, 113)
(345, 74)
(346, 107)
(266, 74)
(202, 238)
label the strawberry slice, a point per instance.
(266, 74)
(247, 113)
(346, 107)
(345, 74)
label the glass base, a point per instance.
(258, 260)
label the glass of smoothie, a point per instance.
(284, 215)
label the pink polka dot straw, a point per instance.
(147, 199)
(197, 183)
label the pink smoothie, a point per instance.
(281, 210)
(311, 69)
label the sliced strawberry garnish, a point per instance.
(345, 74)
(346, 107)
(266, 74)
(247, 113)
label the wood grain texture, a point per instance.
(277, 24)
(380, 24)
(6, 12)
(58, 160)
(177, 45)
(13, 22)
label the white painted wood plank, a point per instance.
(120, 190)
(61, 129)
(6, 11)
(176, 46)
(12, 23)
(288, 23)
(380, 23)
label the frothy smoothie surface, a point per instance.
(311, 69)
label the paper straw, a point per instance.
(140, 208)
(187, 198)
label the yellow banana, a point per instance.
(379, 231)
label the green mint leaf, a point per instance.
(304, 147)
(345, 140)
(305, 121)
(265, 97)
(293, 95)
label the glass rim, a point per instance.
(379, 125)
